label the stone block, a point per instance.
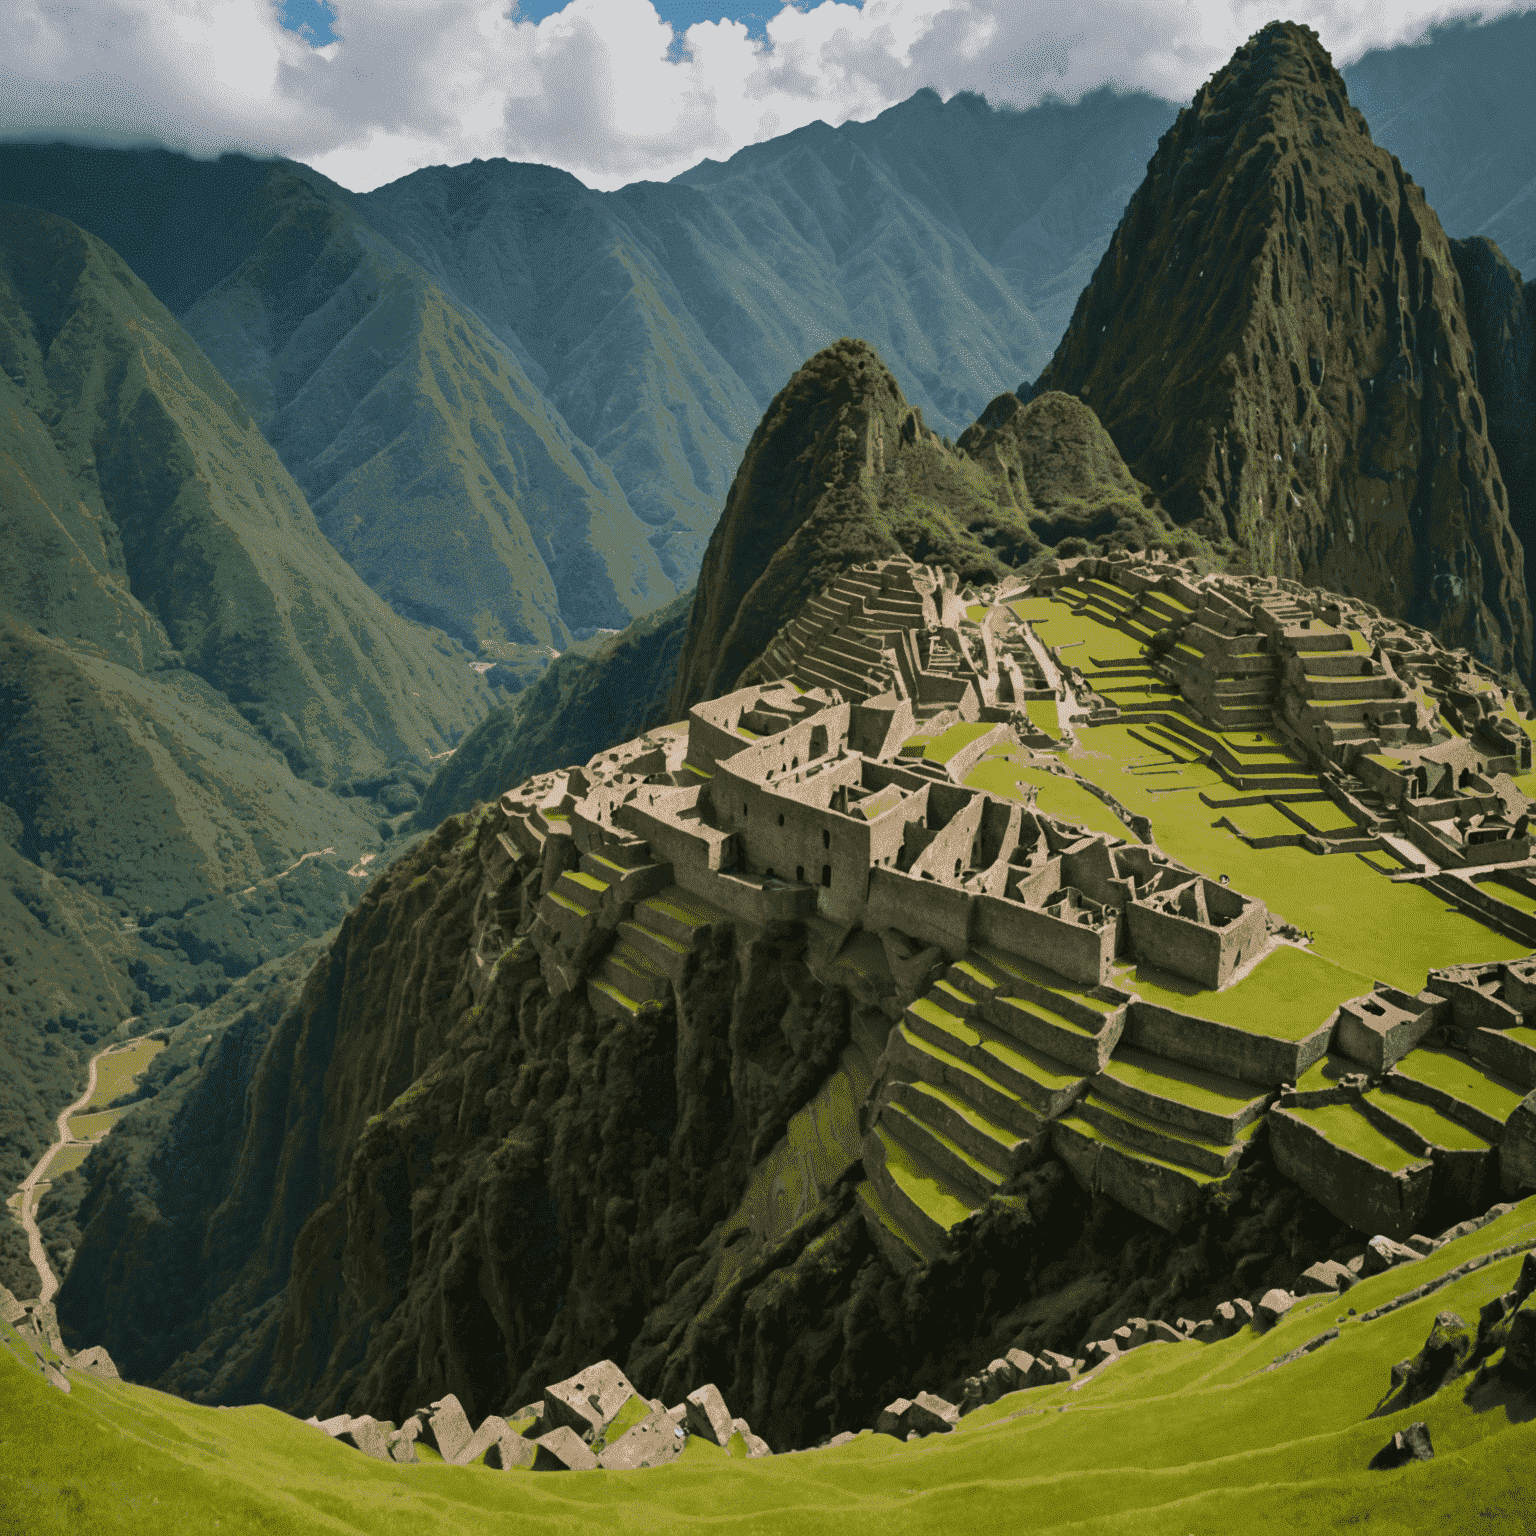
(1022, 1362)
(708, 1416)
(1000, 1377)
(653, 1442)
(1325, 1275)
(97, 1361)
(401, 1447)
(563, 1450)
(930, 1414)
(1243, 1308)
(892, 1418)
(365, 1435)
(1053, 1367)
(1411, 1444)
(1517, 1150)
(1273, 1305)
(445, 1427)
(1421, 1245)
(334, 1426)
(757, 1446)
(1100, 1351)
(498, 1443)
(1168, 1333)
(1207, 1331)
(1382, 1254)
(1520, 1346)
(588, 1401)
(678, 1413)
(841, 1438)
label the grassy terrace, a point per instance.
(1435, 1128)
(1462, 1078)
(1346, 1127)
(941, 748)
(1026, 970)
(1173, 1440)
(1185, 1085)
(922, 1183)
(1359, 920)
(1042, 715)
(1055, 794)
(83, 1127)
(1287, 995)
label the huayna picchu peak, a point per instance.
(1277, 341)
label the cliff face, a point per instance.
(1501, 317)
(1277, 341)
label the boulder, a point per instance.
(498, 1443)
(1048, 1367)
(1273, 1305)
(841, 1438)
(445, 1427)
(1411, 1444)
(1022, 1363)
(708, 1417)
(1421, 1245)
(1517, 1151)
(1520, 1347)
(365, 1435)
(653, 1442)
(334, 1426)
(757, 1446)
(1100, 1351)
(1382, 1254)
(528, 1421)
(588, 1401)
(678, 1413)
(930, 1414)
(1325, 1275)
(97, 1361)
(892, 1418)
(1242, 1309)
(563, 1450)
(401, 1447)
(1525, 1281)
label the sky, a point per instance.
(614, 91)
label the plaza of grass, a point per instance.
(1170, 1440)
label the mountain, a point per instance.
(842, 470)
(1455, 109)
(1277, 341)
(199, 693)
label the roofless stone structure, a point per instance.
(1024, 984)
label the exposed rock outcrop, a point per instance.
(1277, 340)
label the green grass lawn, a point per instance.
(1435, 1128)
(83, 1127)
(1462, 1078)
(1496, 888)
(944, 746)
(1043, 716)
(1346, 1127)
(1055, 794)
(1172, 1440)
(1288, 994)
(1262, 820)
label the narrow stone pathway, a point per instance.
(28, 1188)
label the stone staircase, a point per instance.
(651, 951)
(975, 1071)
(1155, 1133)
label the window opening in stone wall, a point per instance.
(781, 818)
(826, 875)
(800, 872)
(826, 838)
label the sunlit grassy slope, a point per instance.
(1172, 1440)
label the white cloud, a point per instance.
(600, 88)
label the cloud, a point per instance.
(602, 88)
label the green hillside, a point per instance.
(1182, 1439)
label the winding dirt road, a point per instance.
(28, 1188)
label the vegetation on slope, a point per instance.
(1277, 341)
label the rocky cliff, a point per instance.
(1277, 341)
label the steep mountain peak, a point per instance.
(1277, 341)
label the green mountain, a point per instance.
(199, 694)
(1277, 340)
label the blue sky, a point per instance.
(613, 91)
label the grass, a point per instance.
(83, 1127)
(1346, 1127)
(115, 1073)
(923, 1187)
(1055, 794)
(1288, 994)
(67, 1159)
(950, 741)
(1184, 1085)
(1435, 1128)
(1043, 716)
(1462, 1078)
(1500, 891)
(1173, 1440)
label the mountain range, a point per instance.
(373, 1181)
